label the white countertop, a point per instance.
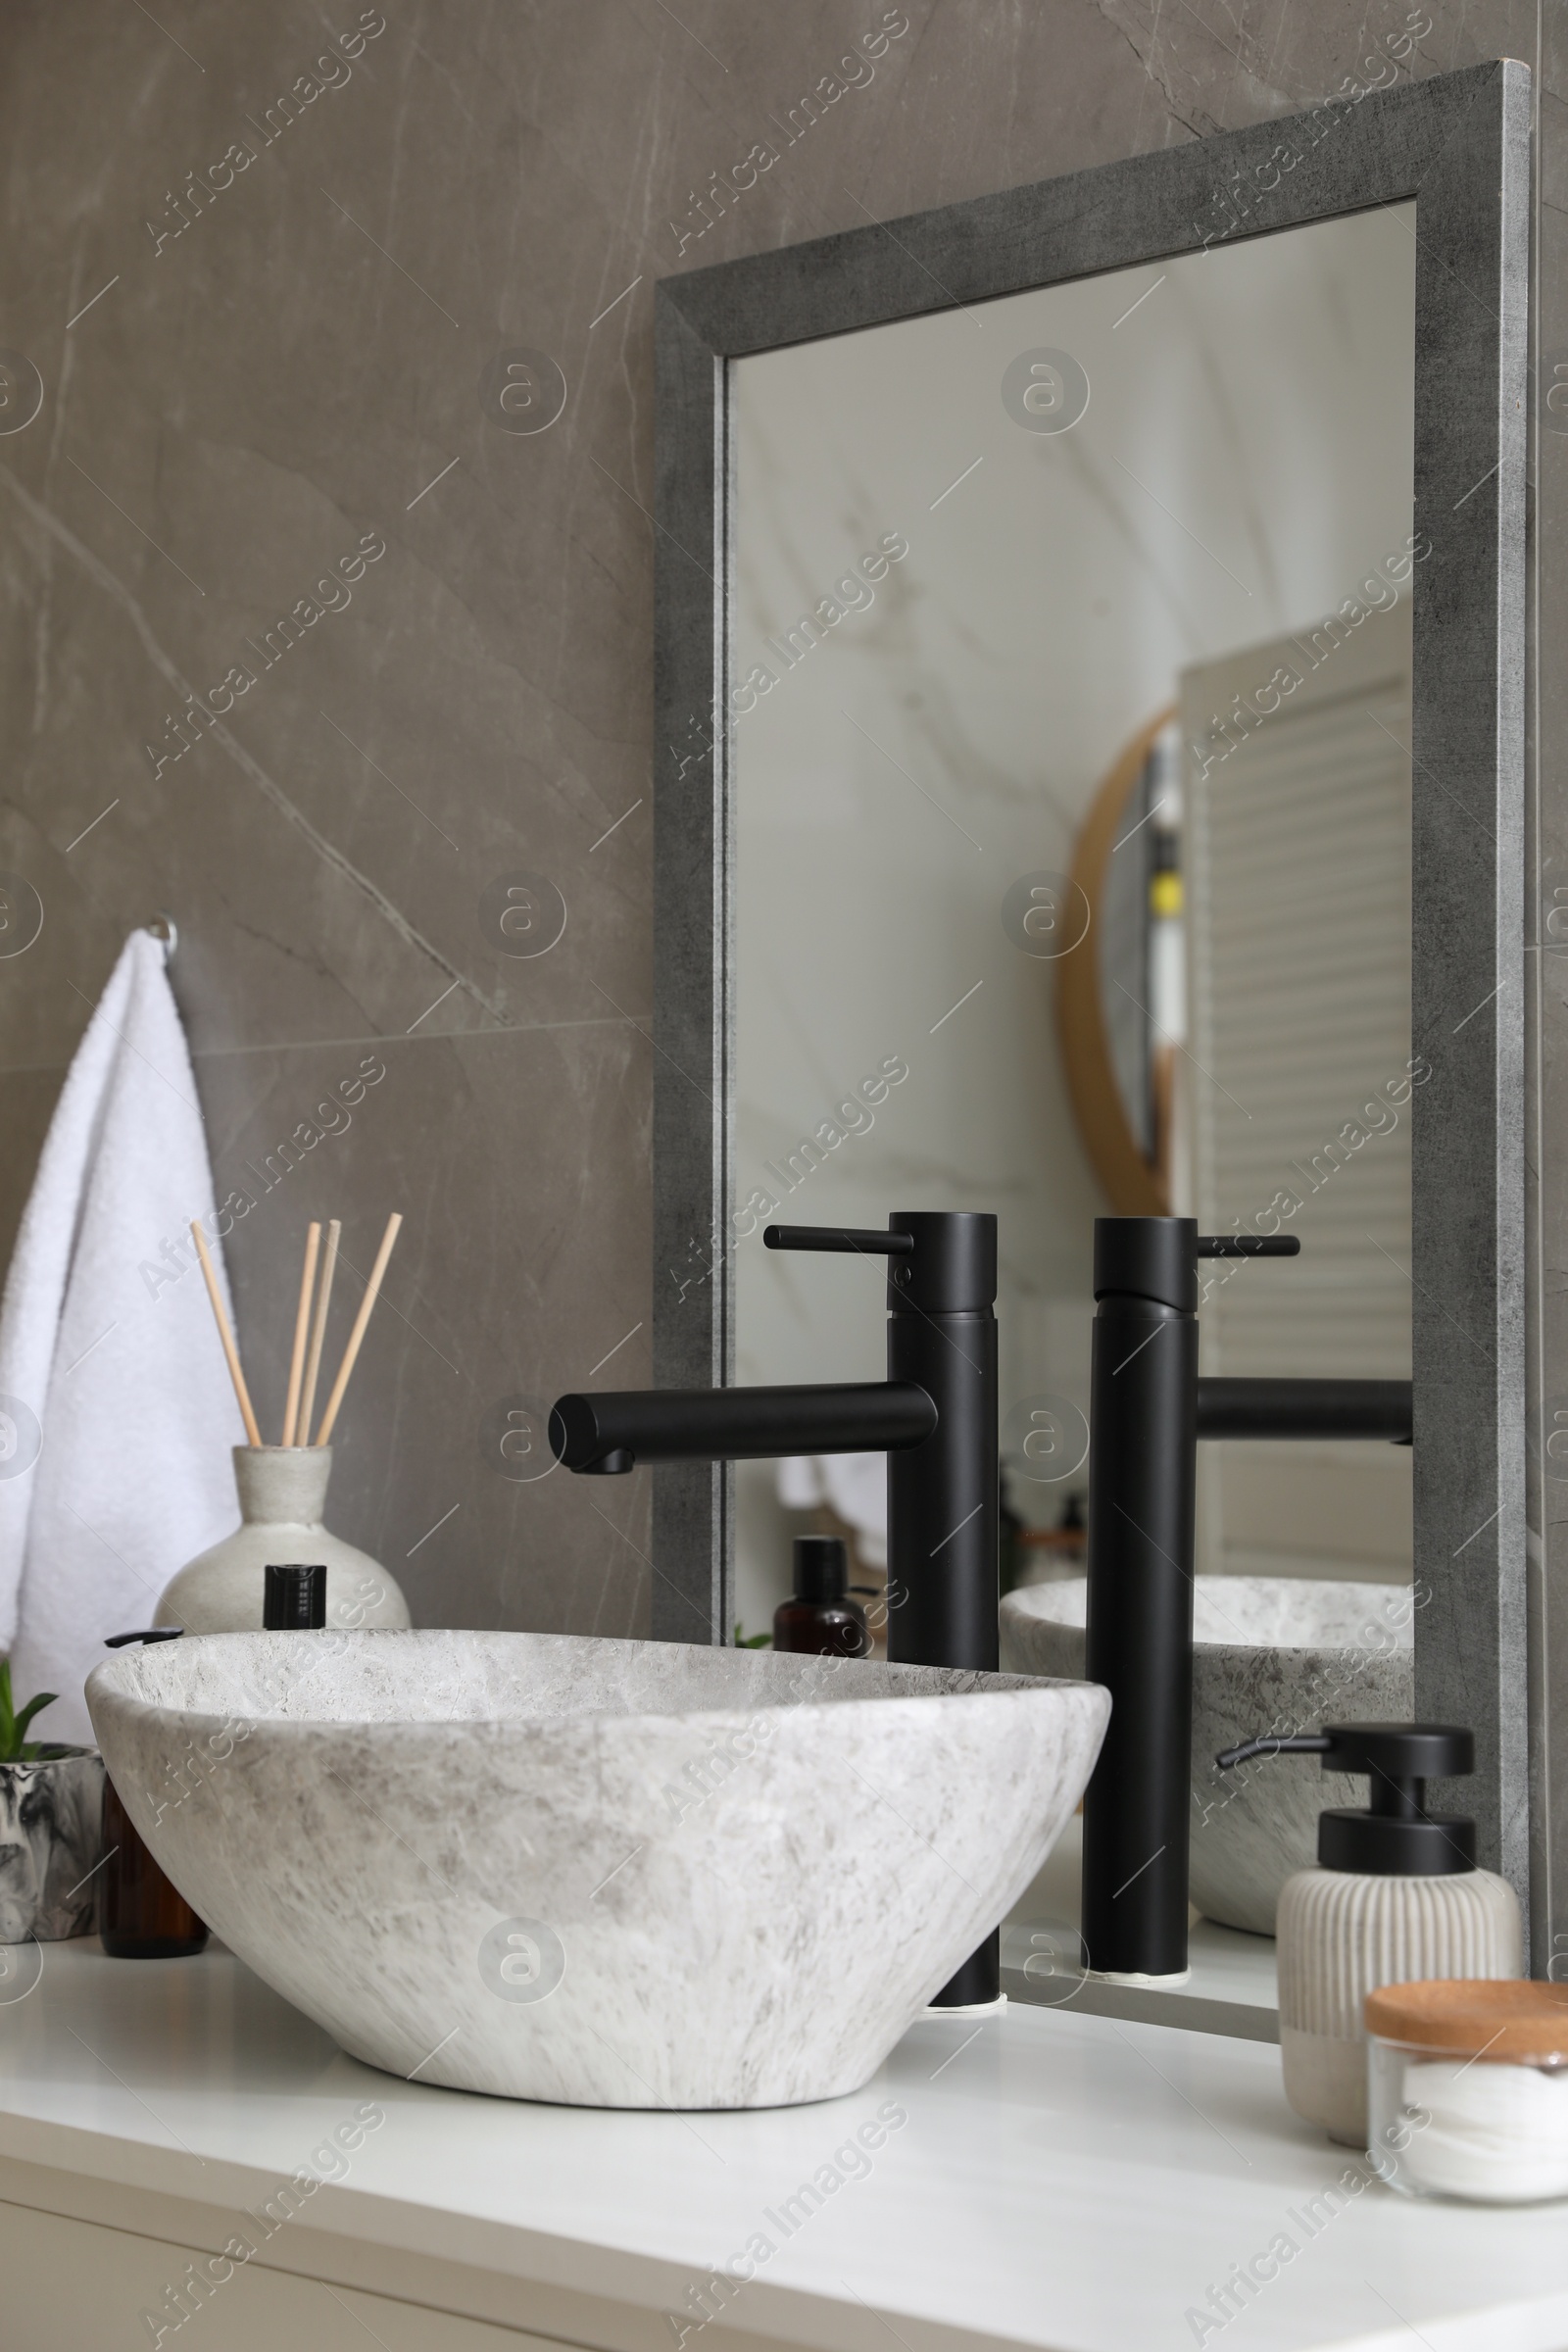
(1061, 2180)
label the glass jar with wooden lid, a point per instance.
(1468, 2090)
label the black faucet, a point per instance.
(1148, 1410)
(934, 1416)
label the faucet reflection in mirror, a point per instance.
(935, 1416)
(1148, 1409)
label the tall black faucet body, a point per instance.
(1148, 1410)
(935, 1416)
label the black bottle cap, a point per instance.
(821, 1568)
(1396, 1837)
(295, 1598)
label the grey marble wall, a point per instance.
(242, 385)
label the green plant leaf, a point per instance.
(45, 1698)
(14, 1747)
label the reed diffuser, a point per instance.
(283, 1489)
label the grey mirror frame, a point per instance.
(1459, 145)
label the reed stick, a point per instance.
(302, 1324)
(247, 1411)
(351, 1351)
(302, 1431)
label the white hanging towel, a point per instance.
(115, 1411)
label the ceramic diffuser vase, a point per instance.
(282, 1496)
(283, 1489)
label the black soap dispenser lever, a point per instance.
(1394, 1836)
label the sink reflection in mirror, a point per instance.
(1291, 1651)
(1071, 707)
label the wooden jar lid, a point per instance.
(1499, 2019)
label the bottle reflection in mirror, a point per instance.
(821, 1617)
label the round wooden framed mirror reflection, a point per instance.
(1120, 997)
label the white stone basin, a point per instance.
(613, 1874)
(1271, 1654)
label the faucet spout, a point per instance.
(611, 1432)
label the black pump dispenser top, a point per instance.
(1396, 1837)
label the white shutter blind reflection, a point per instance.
(1299, 913)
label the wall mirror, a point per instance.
(1089, 681)
(974, 876)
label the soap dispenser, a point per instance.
(821, 1617)
(1395, 1897)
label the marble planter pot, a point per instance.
(607, 1874)
(1269, 1654)
(282, 1496)
(51, 1839)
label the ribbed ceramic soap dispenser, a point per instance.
(1397, 1896)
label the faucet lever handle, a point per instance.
(1248, 1244)
(852, 1241)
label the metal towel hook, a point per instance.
(162, 928)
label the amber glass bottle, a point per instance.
(141, 1916)
(821, 1617)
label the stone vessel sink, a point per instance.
(1270, 1654)
(613, 1874)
